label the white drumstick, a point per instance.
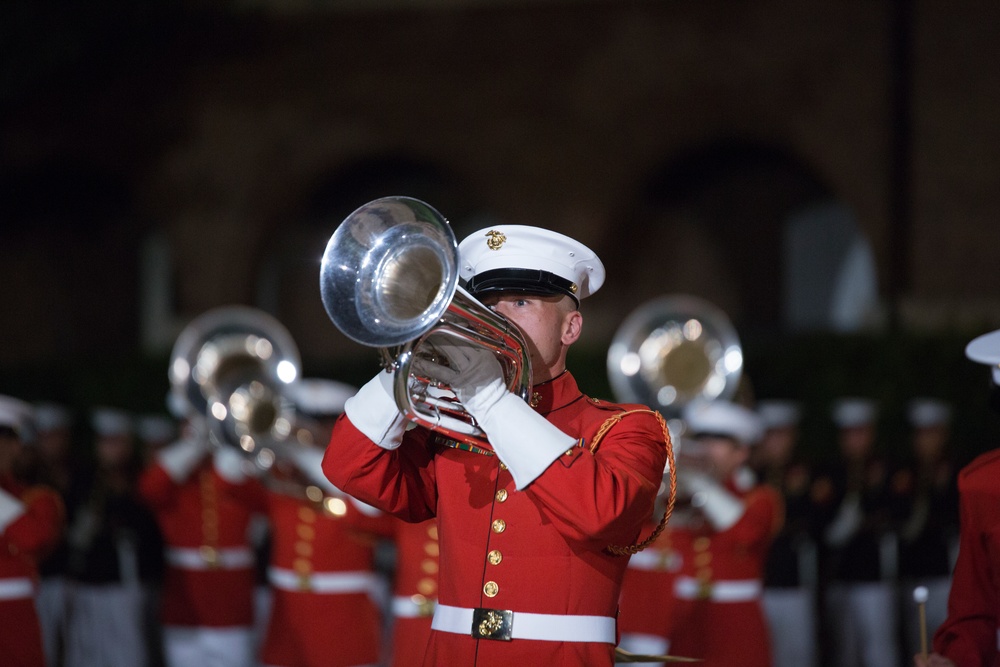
(920, 597)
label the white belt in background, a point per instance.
(210, 558)
(740, 590)
(404, 606)
(321, 582)
(16, 588)
(505, 625)
(654, 560)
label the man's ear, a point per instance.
(572, 327)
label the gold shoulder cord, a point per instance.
(672, 498)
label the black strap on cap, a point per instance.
(529, 281)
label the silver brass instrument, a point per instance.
(389, 279)
(673, 350)
(234, 366)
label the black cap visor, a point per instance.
(528, 281)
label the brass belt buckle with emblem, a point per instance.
(210, 555)
(704, 589)
(492, 624)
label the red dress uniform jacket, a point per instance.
(416, 589)
(27, 539)
(717, 616)
(323, 612)
(971, 633)
(539, 550)
(209, 576)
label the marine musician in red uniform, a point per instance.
(525, 524)
(722, 536)
(970, 636)
(32, 520)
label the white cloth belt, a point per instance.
(653, 560)
(525, 625)
(743, 590)
(404, 606)
(207, 558)
(16, 588)
(321, 582)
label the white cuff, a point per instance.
(10, 509)
(229, 464)
(180, 458)
(523, 439)
(373, 411)
(720, 507)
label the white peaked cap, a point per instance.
(985, 349)
(723, 418)
(156, 428)
(528, 259)
(110, 422)
(851, 412)
(925, 412)
(15, 414)
(318, 397)
(51, 416)
(779, 413)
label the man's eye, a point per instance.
(520, 302)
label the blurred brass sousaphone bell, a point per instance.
(234, 367)
(673, 350)
(389, 279)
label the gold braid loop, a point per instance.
(618, 550)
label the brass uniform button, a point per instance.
(499, 526)
(302, 566)
(503, 466)
(491, 589)
(307, 514)
(427, 586)
(306, 532)
(702, 543)
(432, 531)
(501, 495)
(702, 559)
(429, 566)
(335, 506)
(494, 557)
(432, 548)
(303, 549)
(314, 493)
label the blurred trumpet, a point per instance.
(673, 350)
(233, 367)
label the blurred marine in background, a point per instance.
(970, 636)
(31, 522)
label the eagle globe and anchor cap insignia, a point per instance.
(495, 239)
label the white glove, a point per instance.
(847, 521)
(230, 464)
(720, 507)
(523, 439)
(10, 509)
(183, 456)
(373, 411)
